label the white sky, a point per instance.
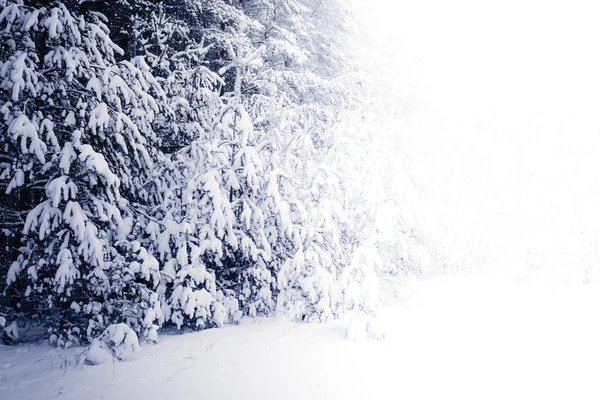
(508, 150)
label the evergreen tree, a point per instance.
(77, 124)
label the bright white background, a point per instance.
(507, 150)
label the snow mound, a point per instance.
(117, 341)
(359, 325)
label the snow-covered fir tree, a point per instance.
(77, 125)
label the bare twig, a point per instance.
(191, 358)
(316, 8)
(178, 371)
(208, 347)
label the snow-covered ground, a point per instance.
(459, 337)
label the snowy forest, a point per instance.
(292, 199)
(184, 164)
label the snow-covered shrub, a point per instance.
(9, 331)
(358, 324)
(118, 341)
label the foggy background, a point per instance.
(505, 151)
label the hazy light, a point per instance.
(509, 142)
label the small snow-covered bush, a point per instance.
(118, 341)
(357, 324)
(9, 332)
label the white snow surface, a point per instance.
(457, 337)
